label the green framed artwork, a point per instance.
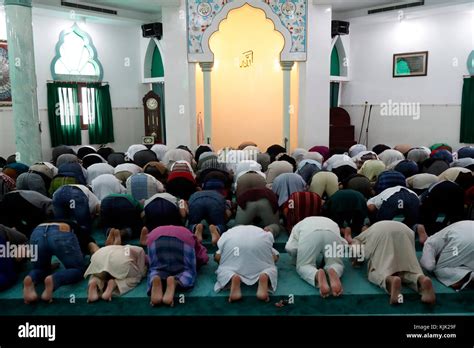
(410, 64)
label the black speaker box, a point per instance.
(153, 30)
(339, 28)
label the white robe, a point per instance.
(247, 251)
(453, 248)
(389, 248)
(311, 242)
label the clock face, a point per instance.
(152, 103)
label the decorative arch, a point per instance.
(76, 57)
(337, 47)
(292, 17)
(151, 51)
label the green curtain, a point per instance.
(335, 63)
(67, 132)
(159, 88)
(334, 94)
(157, 69)
(101, 129)
(467, 112)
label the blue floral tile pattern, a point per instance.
(292, 14)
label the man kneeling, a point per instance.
(246, 255)
(308, 243)
(390, 249)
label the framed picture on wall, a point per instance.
(5, 85)
(410, 64)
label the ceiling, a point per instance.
(145, 6)
(353, 5)
(154, 6)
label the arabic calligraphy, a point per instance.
(246, 60)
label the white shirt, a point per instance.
(312, 223)
(449, 253)
(128, 167)
(329, 164)
(247, 251)
(385, 195)
(164, 195)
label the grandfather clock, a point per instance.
(151, 107)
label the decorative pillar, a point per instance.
(21, 59)
(207, 69)
(286, 67)
(313, 111)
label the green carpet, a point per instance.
(360, 298)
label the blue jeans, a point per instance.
(209, 206)
(70, 202)
(65, 246)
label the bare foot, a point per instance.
(156, 291)
(117, 237)
(92, 247)
(47, 294)
(262, 291)
(29, 292)
(110, 237)
(143, 236)
(168, 298)
(214, 234)
(422, 235)
(235, 291)
(107, 295)
(92, 291)
(394, 286)
(324, 289)
(428, 295)
(336, 286)
(198, 232)
(348, 235)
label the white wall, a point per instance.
(313, 117)
(118, 47)
(179, 100)
(448, 36)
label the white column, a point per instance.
(21, 58)
(313, 118)
(286, 67)
(206, 70)
(179, 111)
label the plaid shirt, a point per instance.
(143, 186)
(170, 256)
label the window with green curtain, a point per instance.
(335, 62)
(159, 88)
(72, 106)
(63, 114)
(101, 126)
(467, 112)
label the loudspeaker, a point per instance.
(339, 28)
(152, 30)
